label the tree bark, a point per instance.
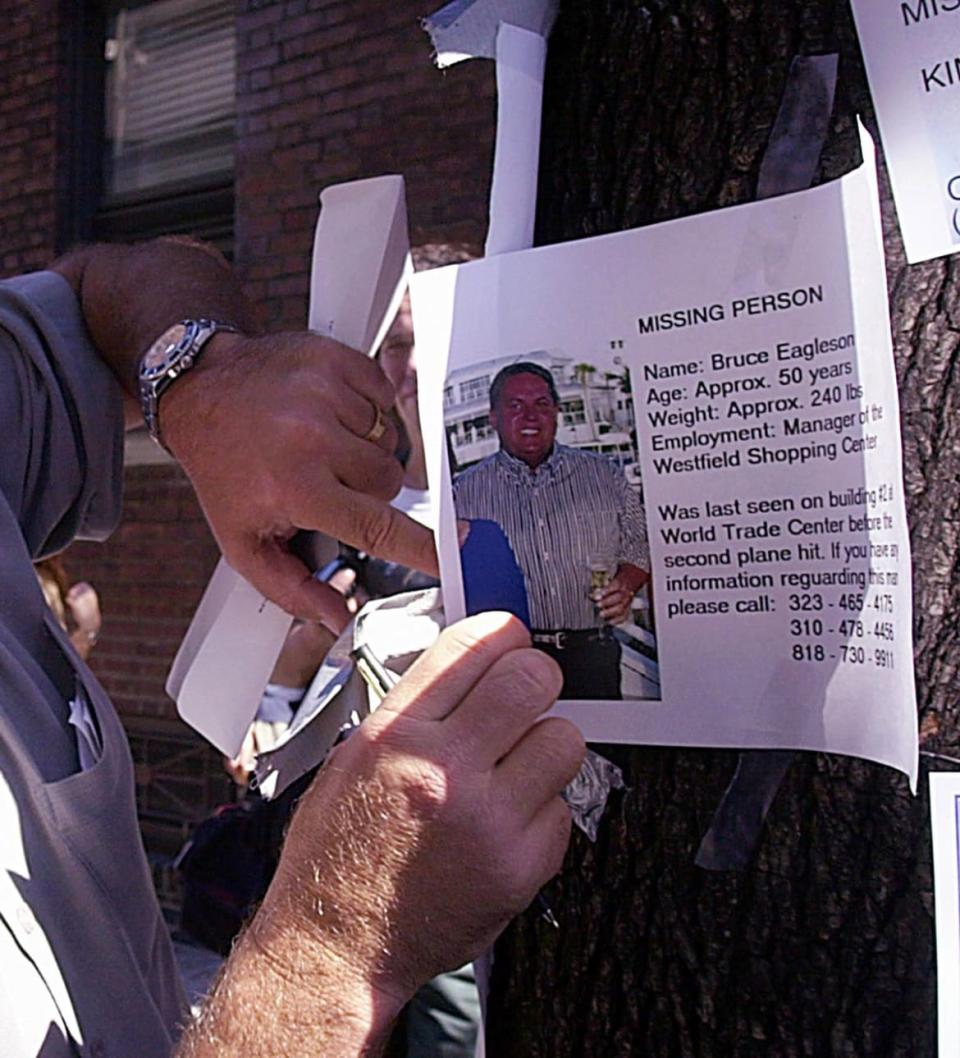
(824, 944)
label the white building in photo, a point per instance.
(596, 409)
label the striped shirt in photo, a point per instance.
(572, 511)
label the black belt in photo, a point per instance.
(565, 638)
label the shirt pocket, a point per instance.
(83, 720)
(94, 809)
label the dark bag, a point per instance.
(226, 869)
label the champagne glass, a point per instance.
(600, 567)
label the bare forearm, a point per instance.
(632, 577)
(271, 430)
(317, 971)
(130, 294)
(308, 1005)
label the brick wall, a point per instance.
(150, 576)
(331, 91)
(30, 72)
(328, 90)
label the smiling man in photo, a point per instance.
(575, 525)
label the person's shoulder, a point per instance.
(596, 460)
(597, 466)
(477, 470)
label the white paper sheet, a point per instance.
(912, 55)
(361, 261)
(787, 404)
(514, 32)
(225, 659)
(361, 264)
(521, 56)
(945, 824)
(89, 742)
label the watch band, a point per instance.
(172, 354)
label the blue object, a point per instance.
(492, 579)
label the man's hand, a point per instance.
(302, 653)
(272, 430)
(615, 599)
(272, 433)
(433, 825)
(84, 605)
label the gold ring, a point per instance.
(378, 429)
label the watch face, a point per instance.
(157, 358)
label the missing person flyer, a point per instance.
(674, 453)
(911, 50)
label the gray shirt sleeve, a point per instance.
(61, 418)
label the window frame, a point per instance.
(201, 206)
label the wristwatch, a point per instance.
(173, 353)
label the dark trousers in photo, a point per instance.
(590, 664)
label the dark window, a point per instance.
(169, 109)
(170, 95)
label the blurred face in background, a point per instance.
(397, 359)
(397, 356)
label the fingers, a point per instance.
(345, 581)
(546, 842)
(434, 686)
(361, 417)
(309, 456)
(362, 374)
(84, 606)
(373, 526)
(367, 523)
(320, 359)
(614, 590)
(517, 688)
(285, 580)
(366, 378)
(614, 601)
(537, 852)
(615, 611)
(366, 466)
(364, 398)
(615, 614)
(541, 764)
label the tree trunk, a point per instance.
(824, 944)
